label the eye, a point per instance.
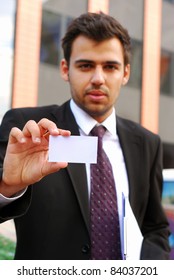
(111, 67)
(85, 66)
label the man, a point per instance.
(50, 202)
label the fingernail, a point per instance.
(37, 140)
(22, 140)
(56, 130)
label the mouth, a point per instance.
(96, 95)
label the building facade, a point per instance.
(29, 60)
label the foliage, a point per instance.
(7, 248)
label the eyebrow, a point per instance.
(93, 62)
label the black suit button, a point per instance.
(85, 249)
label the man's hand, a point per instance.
(26, 159)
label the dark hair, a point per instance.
(97, 27)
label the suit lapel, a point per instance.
(131, 144)
(64, 118)
(77, 174)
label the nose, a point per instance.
(98, 76)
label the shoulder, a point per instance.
(31, 112)
(132, 134)
(17, 117)
(133, 128)
(34, 113)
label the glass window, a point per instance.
(50, 37)
(53, 27)
(170, 1)
(7, 25)
(136, 65)
(167, 50)
(166, 73)
(166, 112)
(130, 15)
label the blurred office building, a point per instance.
(30, 52)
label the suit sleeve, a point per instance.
(155, 227)
(17, 208)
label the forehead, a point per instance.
(85, 48)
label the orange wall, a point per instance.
(98, 5)
(151, 64)
(27, 50)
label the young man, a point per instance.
(50, 202)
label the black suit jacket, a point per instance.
(52, 217)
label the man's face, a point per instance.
(96, 73)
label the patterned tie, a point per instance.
(105, 231)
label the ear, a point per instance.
(126, 74)
(64, 70)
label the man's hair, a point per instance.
(97, 27)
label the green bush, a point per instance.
(7, 248)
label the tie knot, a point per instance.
(98, 131)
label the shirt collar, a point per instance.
(86, 122)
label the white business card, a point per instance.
(77, 149)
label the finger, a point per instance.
(64, 132)
(31, 129)
(48, 127)
(16, 135)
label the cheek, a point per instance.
(115, 84)
(78, 82)
(76, 88)
(118, 82)
(115, 88)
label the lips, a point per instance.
(96, 95)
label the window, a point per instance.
(136, 65)
(53, 27)
(166, 73)
(7, 26)
(170, 1)
(167, 50)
